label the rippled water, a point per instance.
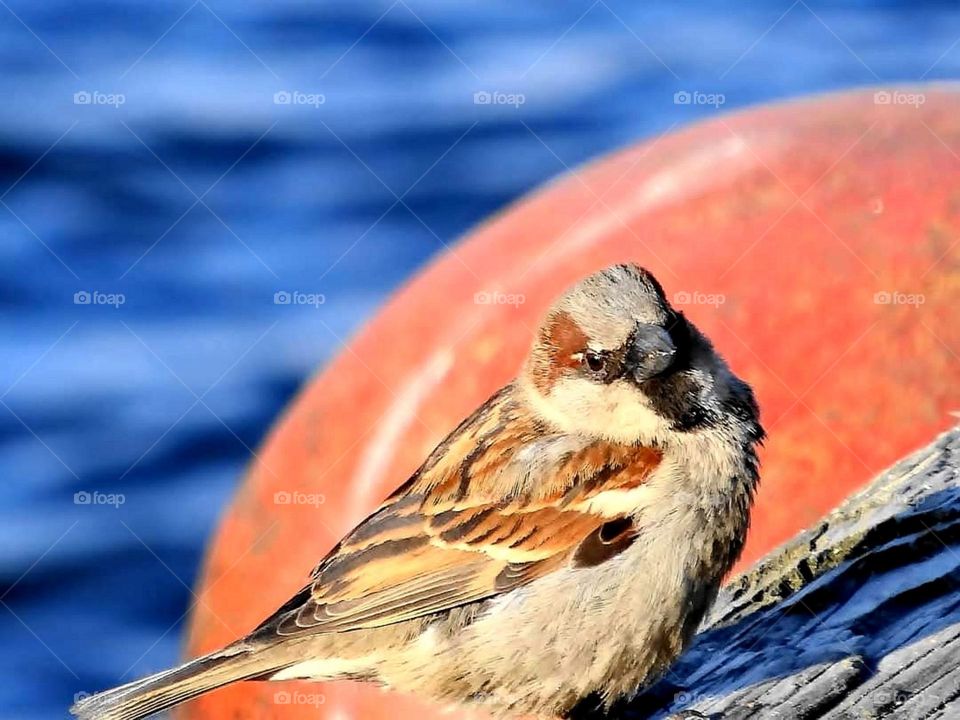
(176, 183)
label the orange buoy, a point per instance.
(816, 242)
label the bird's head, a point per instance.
(613, 359)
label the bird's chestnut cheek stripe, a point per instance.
(560, 339)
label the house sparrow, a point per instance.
(564, 541)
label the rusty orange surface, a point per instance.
(816, 242)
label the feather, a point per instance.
(472, 524)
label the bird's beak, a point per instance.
(651, 353)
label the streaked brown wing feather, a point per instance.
(431, 546)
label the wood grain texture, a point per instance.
(858, 617)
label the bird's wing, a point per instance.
(479, 519)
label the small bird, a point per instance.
(563, 542)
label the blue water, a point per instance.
(184, 188)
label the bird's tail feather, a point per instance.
(158, 692)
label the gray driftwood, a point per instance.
(858, 617)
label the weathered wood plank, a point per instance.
(858, 617)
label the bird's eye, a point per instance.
(594, 361)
